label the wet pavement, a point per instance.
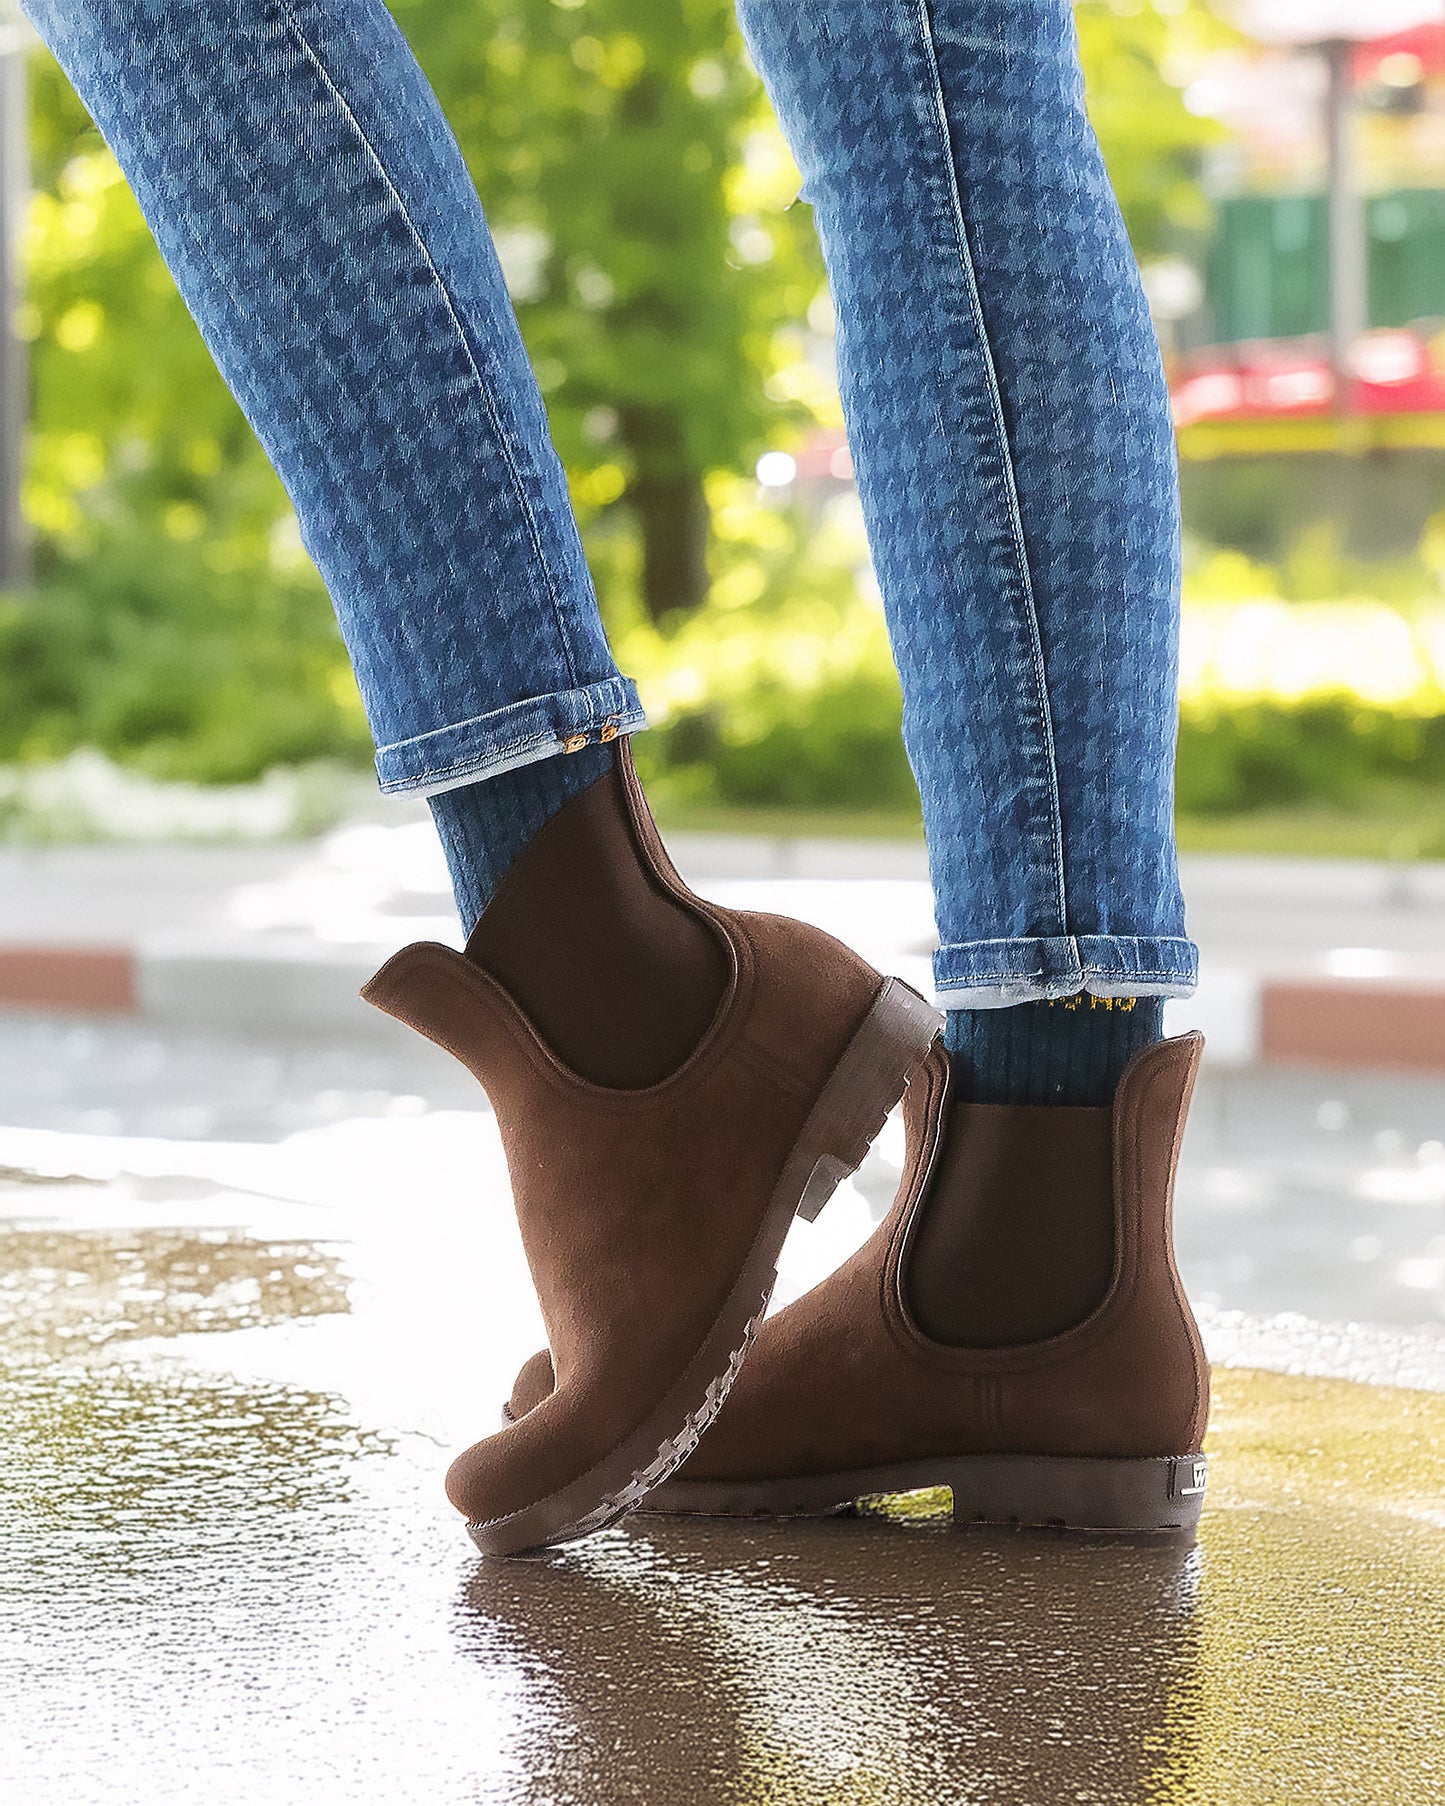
(251, 1296)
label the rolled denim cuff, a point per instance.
(990, 975)
(468, 752)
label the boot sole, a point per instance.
(1162, 1494)
(867, 1082)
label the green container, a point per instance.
(1267, 271)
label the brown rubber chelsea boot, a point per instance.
(652, 1213)
(1097, 1427)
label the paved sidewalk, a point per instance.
(254, 1292)
(255, 1287)
(1332, 961)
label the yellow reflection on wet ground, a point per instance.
(1322, 1598)
(220, 1589)
(1293, 1654)
(60, 1291)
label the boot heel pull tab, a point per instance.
(418, 986)
(386, 983)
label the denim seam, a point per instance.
(631, 719)
(477, 761)
(923, 9)
(1029, 940)
(479, 770)
(526, 702)
(1091, 969)
(986, 974)
(503, 437)
(1038, 971)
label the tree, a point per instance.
(1135, 53)
(608, 141)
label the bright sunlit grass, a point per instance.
(1292, 652)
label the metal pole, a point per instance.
(1348, 249)
(14, 383)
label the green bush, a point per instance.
(1335, 750)
(171, 668)
(780, 694)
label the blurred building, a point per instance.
(1256, 346)
(1335, 138)
(1305, 332)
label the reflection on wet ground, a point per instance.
(847, 1661)
(859, 1661)
(224, 1590)
(69, 1290)
(229, 1379)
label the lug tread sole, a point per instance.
(1154, 1494)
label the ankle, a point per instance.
(1068, 1050)
(619, 972)
(485, 828)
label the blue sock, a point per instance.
(1070, 1050)
(485, 827)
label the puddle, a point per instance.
(220, 1588)
(60, 1290)
(228, 1574)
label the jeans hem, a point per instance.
(469, 752)
(991, 975)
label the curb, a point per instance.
(97, 980)
(298, 988)
(1354, 1022)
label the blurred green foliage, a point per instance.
(643, 218)
(1329, 749)
(782, 694)
(641, 199)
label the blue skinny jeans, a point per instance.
(1006, 409)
